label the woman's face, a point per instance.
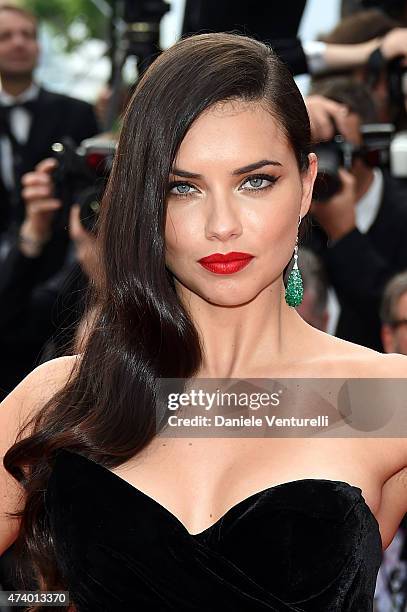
(235, 187)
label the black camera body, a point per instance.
(376, 150)
(82, 174)
(332, 155)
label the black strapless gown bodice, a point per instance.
(306, 545)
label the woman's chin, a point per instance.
(228, 298)
(221, 291)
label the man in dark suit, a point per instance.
(31, 118)
(360, 233)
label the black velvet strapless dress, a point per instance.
(310, 544)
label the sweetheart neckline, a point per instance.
(251, 497)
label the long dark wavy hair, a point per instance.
(142, 331)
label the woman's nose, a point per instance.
(224, 220)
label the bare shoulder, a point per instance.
(36, 389)
(390, 365)
(353, 361)
(372, 364)
(46, 379)
(348, 359)
(17, 408)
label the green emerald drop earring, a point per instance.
(294, 291)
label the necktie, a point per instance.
(5, 113)
(16, 146)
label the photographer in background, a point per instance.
(360, 232)
(38, 320)
(31, 120)
(382, 72)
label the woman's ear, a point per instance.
(308, 178)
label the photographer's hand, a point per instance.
(394, 44)
(40, 208)
(337, 216)
(85, 244)
(327, 117)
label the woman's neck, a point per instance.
(241, 340)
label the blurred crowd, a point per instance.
(353, 260)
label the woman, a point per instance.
(214, 158)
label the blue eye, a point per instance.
(257, 180)
(180, 189)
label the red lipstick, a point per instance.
(226, 264)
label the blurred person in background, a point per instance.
(360, 232)
(377, 72)
(393, 8)
(31, 120)
(313, 307)
(38, 320)
(258, 19)
(393, 315)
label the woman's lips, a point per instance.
(227, 264)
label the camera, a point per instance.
(332, 155)
(381, 148)
(81, 175)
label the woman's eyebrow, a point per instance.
(243, 170)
